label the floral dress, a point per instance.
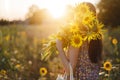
(85, 69)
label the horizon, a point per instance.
(17, 9)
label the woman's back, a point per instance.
(85, 69)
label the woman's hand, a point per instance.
(59, 45)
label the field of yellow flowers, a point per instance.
(20, 54)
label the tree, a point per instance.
(31, 11)
(36, 15)
(109, 12)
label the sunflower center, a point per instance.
(107, 65)
(43, 71)
(77, 40)
(87, 18)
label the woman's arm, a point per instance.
(62, 55)
(73, 56)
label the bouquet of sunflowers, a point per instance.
(84, 26)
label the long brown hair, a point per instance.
(95, 50)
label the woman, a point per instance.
(84, 60)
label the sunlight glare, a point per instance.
(56, 12)
(55, 7)
(6, 4)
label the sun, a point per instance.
(56, 8)
(56, 11)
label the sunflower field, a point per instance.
(20, 55)
(111, 54)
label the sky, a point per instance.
(17, 9)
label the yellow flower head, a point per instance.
(43, 71)
(80, 11)
(95, 26)
(3, 72)
(18, 66)
(81, 8)
(74, 29)
(107, 66)
(76, 40)
(88, 18)
(84, 8)
(94, 36)
(114, 41)
(99, 25)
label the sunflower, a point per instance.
(96, 26)
(99, 25)
(3, 72)
(84, 8)
(76, 40)
(93, 36)
(17, 66)
(43, 71)
(114, 41)
(107, 66)
(81, 9)
(88, 18)
(74, 29)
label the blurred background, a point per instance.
(25, 24)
